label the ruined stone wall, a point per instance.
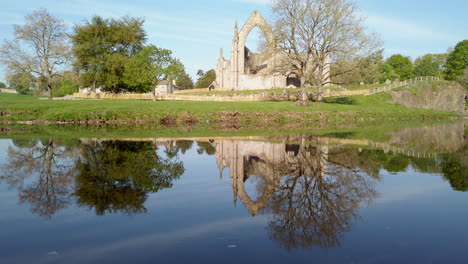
(259, 82)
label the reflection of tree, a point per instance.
(184, 145)
(317, 199)
(115, 176)
(426, 165)
(456, 174)
(397, 163)
(52, 165)
(25, 143)
(206, 147)
(455, 168)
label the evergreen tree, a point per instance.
(185, 82)
(206, 79)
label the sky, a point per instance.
(196, 30)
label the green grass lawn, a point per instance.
(363, 87)
(15, 107)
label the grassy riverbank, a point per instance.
(373, 130)
(14, 108)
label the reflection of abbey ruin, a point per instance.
(319, 157)
(247, 70)
(266, 160)
(313, 187)
(312, 191)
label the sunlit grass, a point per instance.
(19, 108)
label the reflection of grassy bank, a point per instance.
(253, 114)
(375, 130)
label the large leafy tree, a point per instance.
(464, 79)
(2, 85)
(457, 61)
(402, 66)
(388, 73)
(102, 48)
(429, 65)
(39, 48)
(21, 82)
(356, 70)
(148, 67)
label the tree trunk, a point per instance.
(49, 87)
(319, 82)
(304, 97)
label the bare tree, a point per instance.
(43, 174)
(318, 199)
(313, 33)
(40, 47)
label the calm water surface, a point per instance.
(336, 198)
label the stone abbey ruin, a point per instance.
(247, 70)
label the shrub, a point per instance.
(66, 88)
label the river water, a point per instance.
(333, 198)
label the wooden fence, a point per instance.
(401, 84)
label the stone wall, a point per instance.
(172, 97)
(4, 90)
(259, 82)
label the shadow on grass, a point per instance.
(340, 100)
(340, 134)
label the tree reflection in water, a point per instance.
(50, 191)
(317, 202)
(115, 176)
(455, 169)
(109, 176)
(310, 191)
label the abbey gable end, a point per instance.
(247, 70)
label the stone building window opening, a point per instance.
(255, 56)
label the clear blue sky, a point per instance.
(196, 30)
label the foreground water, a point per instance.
(295, 199)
